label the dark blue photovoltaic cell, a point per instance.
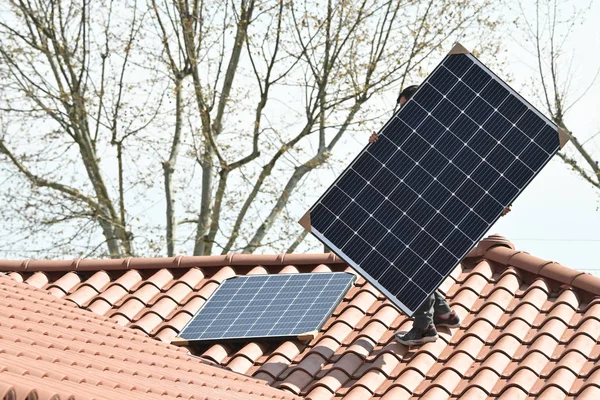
(477, 79)
(483, 143)
(512, 109)
(495, 94)
(415, 115)
(446, 112)
(255, 306)
(547, 139)
(458, 64)
(445, 166)
(428, 97)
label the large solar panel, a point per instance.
(267, 306)
(411, 205)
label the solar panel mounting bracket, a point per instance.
(308, 336)
(563, 136)
(305, 221)
(177, 341)
(458, 49)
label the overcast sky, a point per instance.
(557, 217)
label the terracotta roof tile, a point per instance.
(50, 348)
(530, 327)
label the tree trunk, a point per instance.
(169, 169)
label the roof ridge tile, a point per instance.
(168, 262)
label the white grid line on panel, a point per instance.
(358, 268)
(514, 124)
(220, 312)
(313, 302)
(288, 305)
(517, 95)
(374, 247)
(287, 283)
(247, 304)
(419, 194)
(499, 144)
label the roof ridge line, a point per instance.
(500, 250)
(235, 259)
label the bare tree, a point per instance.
(549, 31)
(46, 51)
(254, 97)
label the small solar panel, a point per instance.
(267, 306)
(412, 204)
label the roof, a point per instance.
(52, 349)
(530, 328)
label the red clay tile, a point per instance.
(289, 349)
(581, 343)
(296, 381)
(561, 376)
(166, 334)
(409, 379)
(129, 309)
(320, 393)
(372, 380)
(484, 380)
(513, 392)
(208, 289)
(114, 293)
(178, 292)
(129, 279)
(496, 363)
(82, 295)
(435, 392)
(146, 292)
(98, 281)
(63, 285)
(240, 364)
(589, 393)
(289, 269)
(333, 381)
(147, 322)
(193, 305)
(551, 393)
(339, 331)
(475, 281)
(38, 279)
(71, 351)
(176, 322)
(511, 318)
(363, 301)
(374, 331)
(16, 276)
(252, 351)
(567, 297)
(217, 353)
(349, 363)
(397, 393)
(272, 368)
(358, 393)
